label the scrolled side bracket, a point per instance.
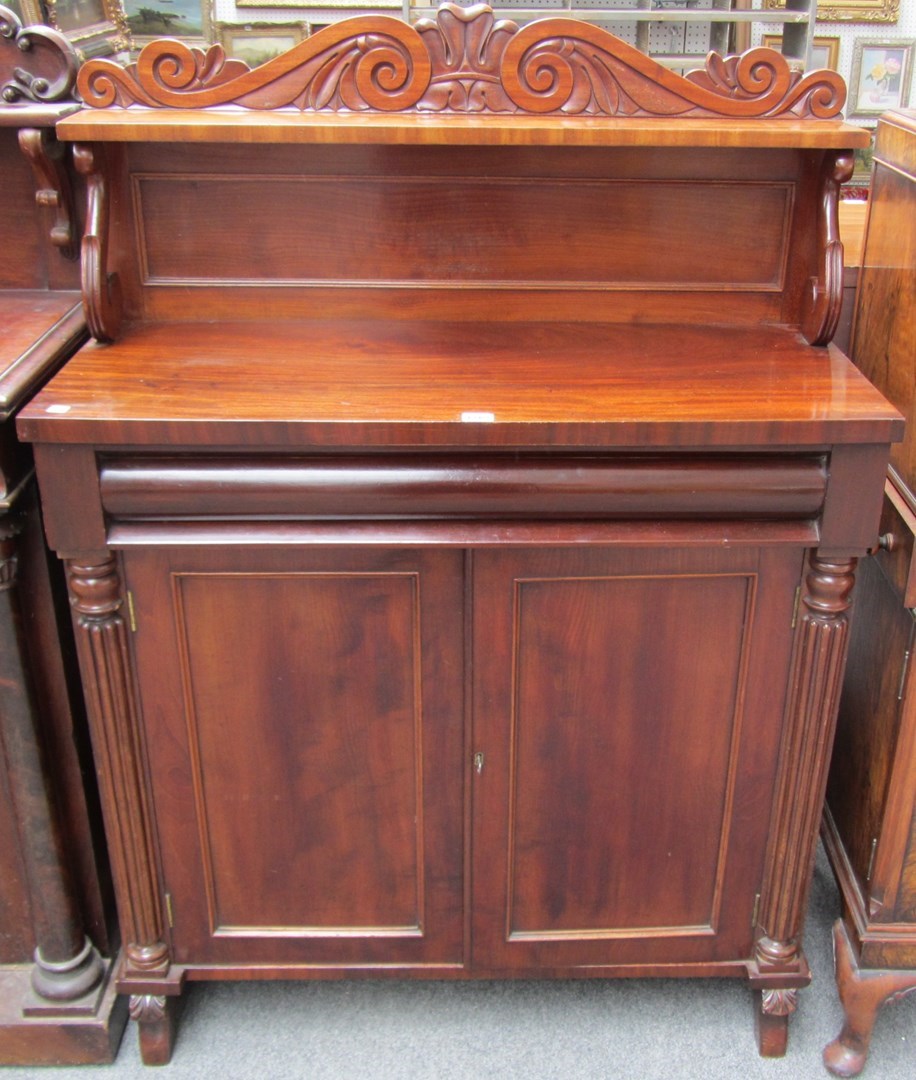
(46, 156)
(101, 289)
(821, 312)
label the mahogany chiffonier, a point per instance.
(870, 821)
(57, 1001)
(461, 503)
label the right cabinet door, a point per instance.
(627, 715)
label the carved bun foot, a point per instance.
(772, 1012)
(157, 1018)
(862, 993)
(69, 979)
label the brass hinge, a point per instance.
(795, 606)
(871, 858)
(131, 611)
(756, 911)
(903, 671)
(169, 910)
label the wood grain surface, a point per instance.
(463, 384)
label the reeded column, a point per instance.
(819, 660)
(67, 965)
(111, 703)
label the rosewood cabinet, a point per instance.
(57, 1001)
(870, 821)
(461, 502)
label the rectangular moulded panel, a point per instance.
(305, 728)
(621, 777)
(630, 723)
(428, 231)
(296, 753)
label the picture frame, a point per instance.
(258, 42)
(27, 13)
(95, 27)
(880, 79)
(886, 11)
(186, 20)
(825, 51)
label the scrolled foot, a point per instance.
(774, 1007)
(156, 1016)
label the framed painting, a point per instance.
(825, 51)
(256, 43)
(880, 77)
(187, 20)
(96, 27)
(25, 12)
(887, 11)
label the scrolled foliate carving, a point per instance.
(560, 65)
(779, 1002)
(370, 63)
(465, 62)
(37, 64)
(466, 53)
(147, 1008)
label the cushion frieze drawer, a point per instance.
(478, 486)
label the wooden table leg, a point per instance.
(862, 993)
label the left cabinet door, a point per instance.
(303, 718)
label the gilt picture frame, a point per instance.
(825, 51)
(95, 27)
(256, 43)
(881, 73)
(886, 11)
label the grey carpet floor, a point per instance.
(583, 1030)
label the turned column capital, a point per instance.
(95, 589)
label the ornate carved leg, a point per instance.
(862, 993)
(67, 965)
(821, 642)
(117, 740)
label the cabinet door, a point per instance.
(303, 719)
(628, 707)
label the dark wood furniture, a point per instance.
(57, 1002)
(870, 822)
(461, 504)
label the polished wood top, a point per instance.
(458, 384)
(37, 325)
(31, 115)
(241, 126)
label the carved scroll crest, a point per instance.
(37, 64)
(465, 62)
